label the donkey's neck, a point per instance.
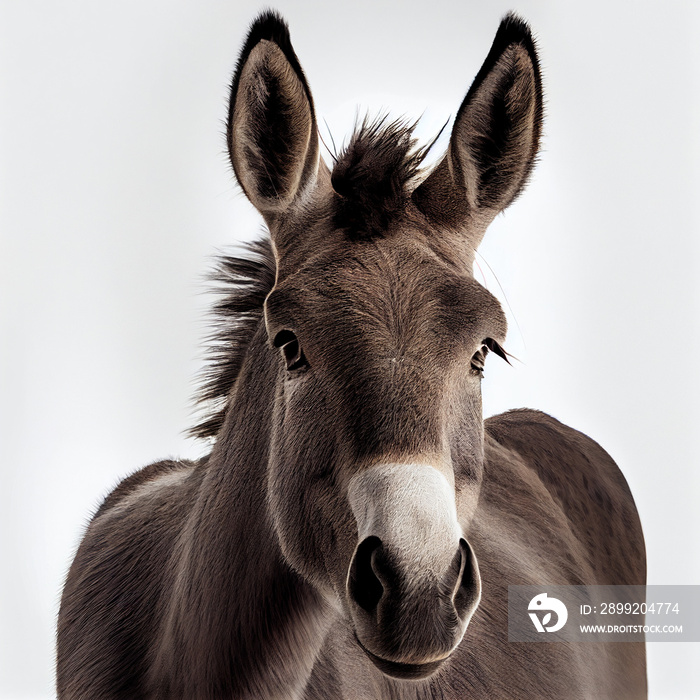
(243, 624)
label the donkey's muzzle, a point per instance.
(413, 581)
(408, 622)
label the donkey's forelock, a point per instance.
(374, 175)
(373, 178)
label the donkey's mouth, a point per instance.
(399, 670)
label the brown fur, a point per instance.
(353, 340)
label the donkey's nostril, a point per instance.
(468, 590)
(364, 586)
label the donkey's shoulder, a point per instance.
(145, 479)
(550, 445)
(582, 479)
(567, 460)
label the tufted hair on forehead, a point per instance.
(374, 175)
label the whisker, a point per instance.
(483, 276)
(333, 154)
(505, 298)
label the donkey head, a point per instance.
(381, 333)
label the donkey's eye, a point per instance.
(478, 359)
(291, 349)
(477, 364)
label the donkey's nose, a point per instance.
(413, 581)
(373, 577)
(409, 621)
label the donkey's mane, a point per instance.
(374, 175)
(242, 283)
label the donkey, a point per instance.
(355, 527)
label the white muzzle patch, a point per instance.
(411, 509)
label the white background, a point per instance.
(116, 192)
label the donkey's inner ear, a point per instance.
(495, 137)
(271, 132)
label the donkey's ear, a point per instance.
(495, 137)
(271, 131)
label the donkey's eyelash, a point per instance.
(496, 349)
(479, 358)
